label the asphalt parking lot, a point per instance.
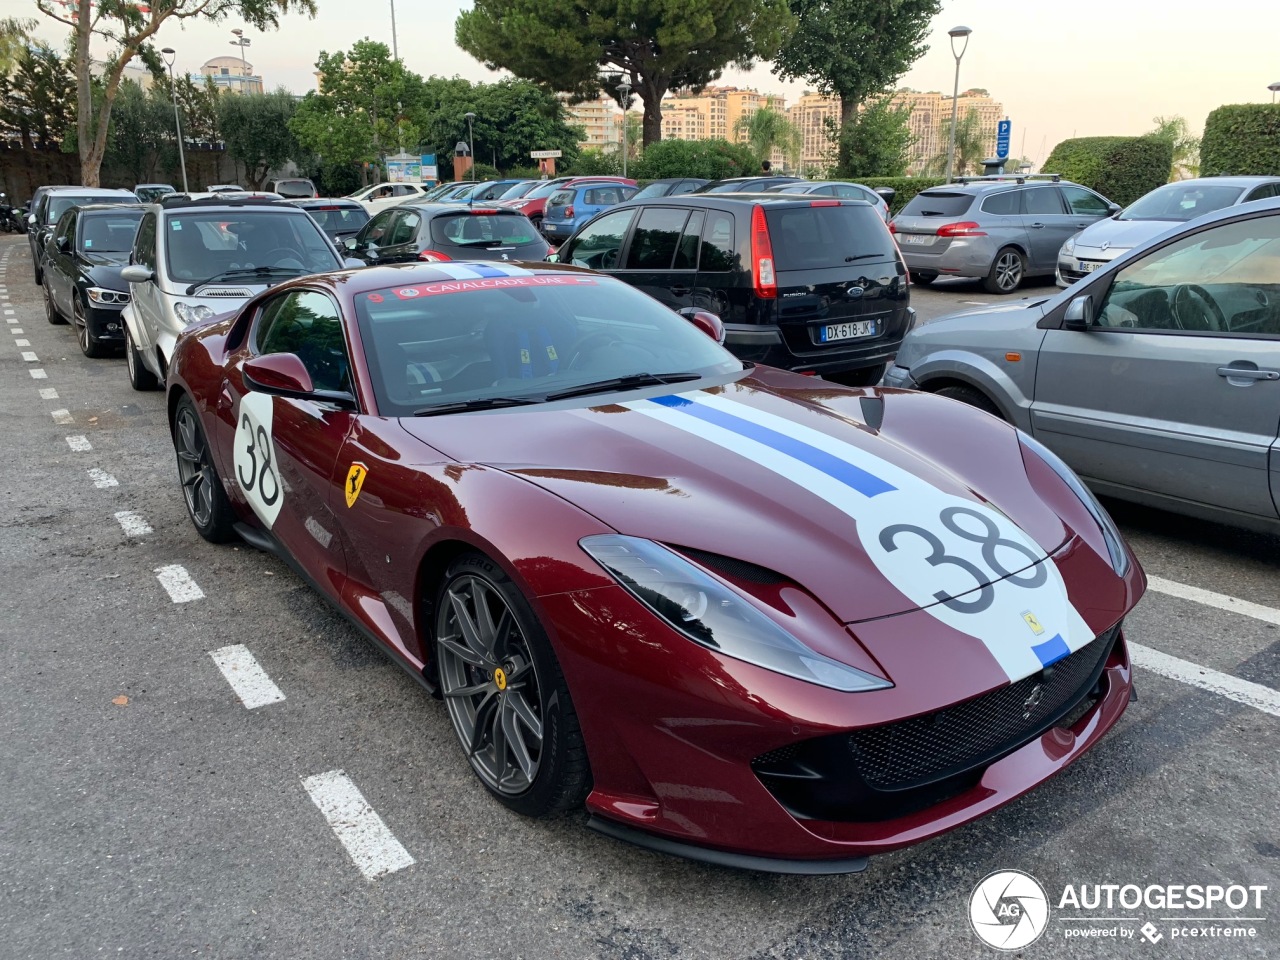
(149, 812)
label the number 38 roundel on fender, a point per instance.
(736, 614)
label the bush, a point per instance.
(1242, 139)
(906, 187)
(525, 173)
(1122, 169)
(595, 163)
(710, 159)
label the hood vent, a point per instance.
(225, 292)
(731, 567)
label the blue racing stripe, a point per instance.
(486, 270)
(868, 484)
(1051, 651)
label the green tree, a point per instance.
(971, 147)
(854, 50)
(565, 44)
(142, 138)
(1186, 148)
(768, 129)
(15, 34)
(595, 163)
(129, 28)
(38, 101)
(877, 143)
(711, 159)
(255, 127)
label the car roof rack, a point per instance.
(1018, 177)
(171, 200)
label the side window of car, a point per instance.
(402, 190)
(1220, 280)
(1263, 192)
(1003, 204)
(1085, 202)
(599, 244)
(653, 246)
(307, 324)
(717, 252)
(66, 227)
(847, 191)
(1042, 201)
(687, 252)
(144, 242)
(375, 231)
(406, 227)
(827, 191)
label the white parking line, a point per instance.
(371, 845)
(133, 524)
(1210, 599)
(79, 444)
(178, 584)
(30, 357)
(1233, 688)
(38, 374)
(62, 416)
(101, 479)
(20, 342)
(18, 332)
(48, 393)
(246, 676)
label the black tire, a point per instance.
(974, 398)
(536, 220)
(862, 377)
(207, 503)
(37, 277)
(51, 310)
(140, 378)
(1008, 270)
(90, 346)
(923, 279)
(562, 777)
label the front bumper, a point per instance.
(106, 323)
(900, 377)
(766, 344)
(1083, 263)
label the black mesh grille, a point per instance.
(910, 753)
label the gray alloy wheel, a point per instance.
(140, 378)
(90, 345)
(207, 502)
(1006, 272)
(490, 684)
(50, 309)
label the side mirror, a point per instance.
(552, 258)
(284, 375)
(1079, 315)
(351, 263)
(1113, 209)
(31, 219)
(349, 243)
(63, 244)
(888, 193)
(136, 273)
(706, 321)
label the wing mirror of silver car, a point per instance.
(1113, 209)
(136, 273)
(1079, 315)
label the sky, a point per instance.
(1088, 68)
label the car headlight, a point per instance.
(1069, 247)
(712, 615)
(191, 312)
(1110, 533)
(103, 297)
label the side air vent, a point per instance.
(225, 292)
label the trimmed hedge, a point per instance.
(1242, 139)
(906, 187)
(1122, 169)
(711, 159)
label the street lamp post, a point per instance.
(624, 88)
(242, 41)
(471, 142)
(1274, 88)
(395, 47)
(169, 54)
(955, 33)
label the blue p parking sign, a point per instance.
(1003, 130)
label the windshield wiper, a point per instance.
(862, 256)
(629, 382)
(480, 403)
(263, 272)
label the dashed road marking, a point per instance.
(101, 479)
(358, 827)
(79, 444)
(20, 342)
(38, 374)
(1246, 692)
(47, 393)
(17, 331)
(1210, 599)
(133, 524)
(30, 356)
(246, 676)
(178, 583)
(62, 417)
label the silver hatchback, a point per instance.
(999, 229)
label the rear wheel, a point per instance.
(505, 693)
(90, 345)
(974, 398)
(207, 503)
(51, 310)
(1007, 271)
(923, 279)
(140, 378)
(537, 223)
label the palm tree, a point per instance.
(971, 147)
(768, 129)
(1186, 148)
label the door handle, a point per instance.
(1246, 373)
(681, 291)
(1037, 226)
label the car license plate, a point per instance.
(916, 239)
(848, 331)
(1085, 266)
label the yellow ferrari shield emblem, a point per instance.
(500, 678)
(1032, 622)
(355, 481)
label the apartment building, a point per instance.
(602, 121)
(233, 74)
(812, 115)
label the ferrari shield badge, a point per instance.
(355, 480)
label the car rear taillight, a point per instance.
(477, 211)
(965, 228)
(766, 282)
(568, 212)
(824, 203)
(893, 227)
(433, 256)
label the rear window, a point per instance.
(938, 203)
(561, 198)
(812, 238)
(62, 203)
(1002, 204)
(295, 188)
(484, 230)
(338, 219)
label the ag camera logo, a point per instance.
(1009, 910)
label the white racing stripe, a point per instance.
(62, 417)
(370, 844)
(79, 444)
(178, 584)
(48, 393)
(1210, 599)
(246, 676)
(101, 479)
(133, 524)
(1184, 671)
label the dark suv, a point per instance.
(812, 285)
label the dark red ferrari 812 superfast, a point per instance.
(741, 615)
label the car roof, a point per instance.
(327, 201)
(92, 191)
(368, 279)
(111, 207)
(436, 208)
(1234, 181)
(1007, 182)
(739, 201)
(181, 201)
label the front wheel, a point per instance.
(1007, 271)
(140, 378)
(90, 345)
(51, 309)
(505, 693)
(207, 503)
(974, 398)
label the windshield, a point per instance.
(335, 220)
(107, 232)
(295, 188)
(1181, 202)
(204, 244)
(147, 194)
(933, 203)
(448, 341)
(520, 190)
(654, 190)
(63, 202)
(810, 238)
(544, 190)
(487, 230)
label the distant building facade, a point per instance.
(815, 116)
(601, 120)
(233, 74)
(714, 114)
